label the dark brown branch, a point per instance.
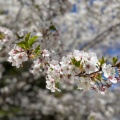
(87, 75)
(100, 69)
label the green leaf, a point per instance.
(115, 59)
(27, 36)
(32, 40)
(102, 61)
(78, 63)
(27, 42)
(22, 44)
(75, 62)
(52, 27)
(37, 50)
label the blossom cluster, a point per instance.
(41, 63)
(77, 68)
(60, 72)
(17, 56)
(82, 68)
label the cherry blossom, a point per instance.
(82, 68)
(109, 72)
(17, 56)
(77, 67)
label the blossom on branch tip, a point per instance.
(17, 56)
(109, 72)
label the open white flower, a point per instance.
(36, 67)
(17, 56)
(112, 79)
(109, 72)
(45, 53)
(90, 67)
(51, 84)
